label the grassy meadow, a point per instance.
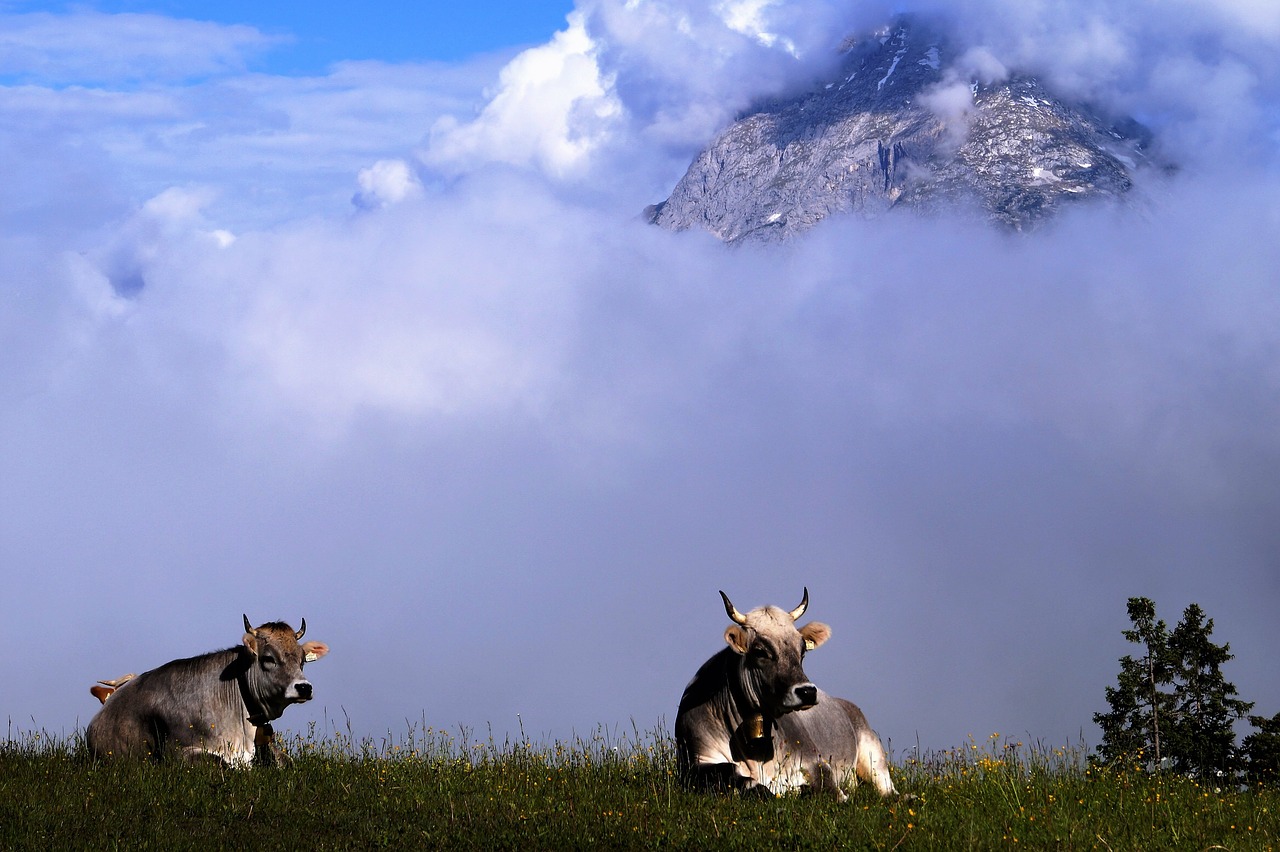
(433, 789)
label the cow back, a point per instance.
(192, 702)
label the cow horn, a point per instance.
(734, 615)
(804, 604)
(248, 628)
(301, 630)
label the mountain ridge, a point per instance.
(907, 123)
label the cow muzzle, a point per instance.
(802, 696)
(300, 691)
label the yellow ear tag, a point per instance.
(311, 658)
(809, 644)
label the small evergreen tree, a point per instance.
(1261, 751)
(1201, 735)
(1141, 700)
(1172, 703)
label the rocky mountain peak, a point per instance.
(902, 126)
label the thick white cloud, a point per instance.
(386, 182)
(552, 108)
(503, 400)
(750, 17)
(668, 70)
(667, 74)
(408, 314)
(680, 69)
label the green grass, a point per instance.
(430, 789)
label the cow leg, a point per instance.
(199, 754)
(723, 777)
(824, 780)
(266, 751)
(873, 765)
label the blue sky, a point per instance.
(370, 330)
(316, 34)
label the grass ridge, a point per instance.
(430, 788)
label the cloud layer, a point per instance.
(501, 443)
(86, 46)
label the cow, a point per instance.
(751, 720)
(219, 704)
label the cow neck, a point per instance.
(746, 699)
(259, 713)
(750, 725)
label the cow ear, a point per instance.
(737, 638)
(314, 650)
(251, 642)
(814, 634)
